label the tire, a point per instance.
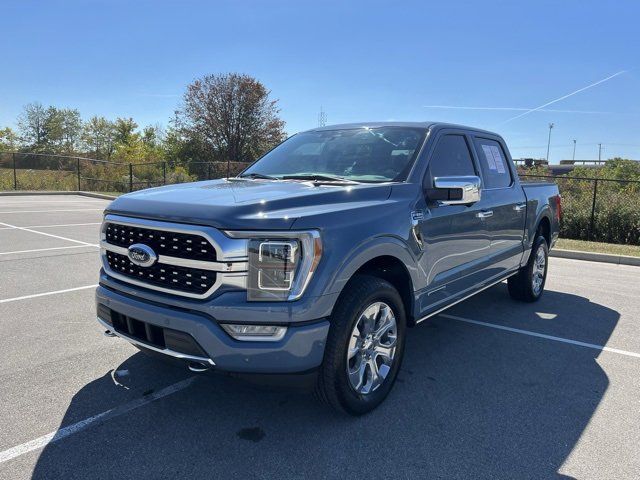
(361, 313)
(528, 284)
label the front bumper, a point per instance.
(300, 350)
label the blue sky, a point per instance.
(360, 60)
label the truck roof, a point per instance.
(424, 125)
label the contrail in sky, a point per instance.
(563, 97)
(510, 109)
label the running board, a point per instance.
(489, 285)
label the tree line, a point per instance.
(226, 117)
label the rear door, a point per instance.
(504, 199)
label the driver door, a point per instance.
(456, 240)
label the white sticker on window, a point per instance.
(497, 158)
(488, 154)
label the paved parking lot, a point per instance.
(490, 389)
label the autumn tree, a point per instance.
(233, 114)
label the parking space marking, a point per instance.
(542, 335)
(47, 249)
(52, 437)
(52, 226)
(49, 211)
(45, 294)
(49, 235)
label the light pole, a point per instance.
(549, 141)
(599, 152)
(574, 150)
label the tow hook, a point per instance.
(109, 333)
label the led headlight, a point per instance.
(281, 264)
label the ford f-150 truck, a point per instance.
(320, 257)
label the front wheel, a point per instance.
(528, 284)
(364, 347)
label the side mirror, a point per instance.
(455, 190)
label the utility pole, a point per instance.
(574, 149)
(322, 118)
(599, 152)
(549, 141)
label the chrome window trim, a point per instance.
(231, 270)
(166, 351)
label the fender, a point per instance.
(545, 212)
(382, 246)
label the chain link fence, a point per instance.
(36, 171)
(597, 209)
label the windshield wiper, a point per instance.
(258, 175)
(320, 177)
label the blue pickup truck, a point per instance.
(318, 259)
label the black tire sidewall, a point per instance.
(540, 241)
(350, 400)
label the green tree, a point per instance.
(98, 136)
(32, 126)
(49, 130)
(8, 140)
(70, 129)
(125, 131)
(232, 114)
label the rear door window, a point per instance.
(493, 163)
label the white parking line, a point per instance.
(49, 211)
(542, 335)
(52, 226)
(48, 234)
(47, 249)
(41, 442)
(45, 294)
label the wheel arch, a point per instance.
(389, 261)
(544, 228)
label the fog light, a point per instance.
(255, 333)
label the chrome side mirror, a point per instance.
(455, 190)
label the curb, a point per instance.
(41, 192)
(596, 257)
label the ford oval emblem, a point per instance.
(142, 255)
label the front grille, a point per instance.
(171, 244)
(173, 277)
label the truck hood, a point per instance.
(245, 204)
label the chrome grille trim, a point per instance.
(231, 255)
(185, 262)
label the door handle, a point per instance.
(520, 207)
(484, 214)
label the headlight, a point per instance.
(281, 264)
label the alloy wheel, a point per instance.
(372, 348)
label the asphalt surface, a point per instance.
(524, 392)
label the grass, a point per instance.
(597, 247)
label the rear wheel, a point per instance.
(528, 284)
(364, 347)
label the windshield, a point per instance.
(362, 154)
